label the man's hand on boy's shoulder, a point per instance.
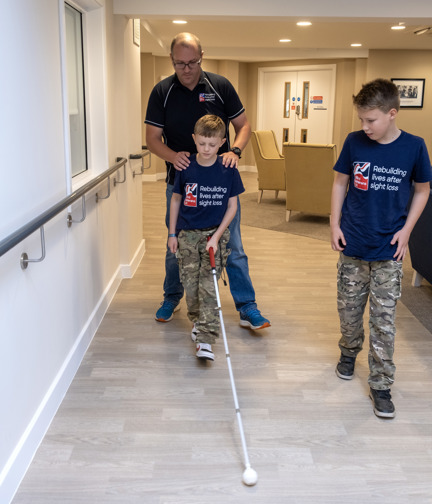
(181, 160)
(230, 160)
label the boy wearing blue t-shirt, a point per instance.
(370, 227)
(203, 203)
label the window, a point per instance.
(76, 95)
(306, 99)
(287, 99)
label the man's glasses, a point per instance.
(191, 65)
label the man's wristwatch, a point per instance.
(236, 151)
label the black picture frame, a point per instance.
(411, 92)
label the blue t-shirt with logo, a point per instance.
(376, 204)
(205, 193)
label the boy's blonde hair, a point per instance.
(210, 126)
(379, 94)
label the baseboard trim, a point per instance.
(154, 177)
(128, 270)
(20, 459)
(248, 168)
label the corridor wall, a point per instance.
(50, 312)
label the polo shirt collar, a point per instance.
(200, 82)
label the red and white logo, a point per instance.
(361, 175)
(191, 195)
(207, 97)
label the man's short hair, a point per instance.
(186, 40)
(210, 126)
(379, 94)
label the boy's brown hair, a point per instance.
(210, 126)
(379, 94)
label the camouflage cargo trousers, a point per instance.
(380, 281)
(197, 279)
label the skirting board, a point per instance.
(248, 168)
(128, 270)
(22, 456)
(154, 177)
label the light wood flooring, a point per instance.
(145, 421)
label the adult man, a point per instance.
(174, 106)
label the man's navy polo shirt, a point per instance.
(176, 109)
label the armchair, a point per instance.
(309, 177)
(270, 163)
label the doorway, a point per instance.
(297, 103)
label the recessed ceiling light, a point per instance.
(304, 23)
(285, 40)
(356, 45)
(398, 27)
(179, 21)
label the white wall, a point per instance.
(50, 312)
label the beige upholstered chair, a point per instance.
(270, 163)
(309, 177)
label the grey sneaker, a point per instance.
(345, 367)
(204, 351)
(382, 403)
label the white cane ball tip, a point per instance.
(250, 477)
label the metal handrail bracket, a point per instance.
(124, 176)
(108, 193)
(71, 221)
(141, 155)
(24, 257)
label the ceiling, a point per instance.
(257, 39)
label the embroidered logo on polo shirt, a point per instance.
(207, 97)
(361, 175)
(191, 195)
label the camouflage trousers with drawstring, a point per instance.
(380, 282)
(197, 279)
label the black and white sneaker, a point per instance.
(204, 351)
(345, 367)
(194, 333)
(382, 404)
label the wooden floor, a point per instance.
(145, 421)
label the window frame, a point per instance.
(82, 96)
(95, 89)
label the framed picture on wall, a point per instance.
(411, 92)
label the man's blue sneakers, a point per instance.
(253, 320)
(165, 312)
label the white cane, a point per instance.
(250, 476)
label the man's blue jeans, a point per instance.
(237, 267)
